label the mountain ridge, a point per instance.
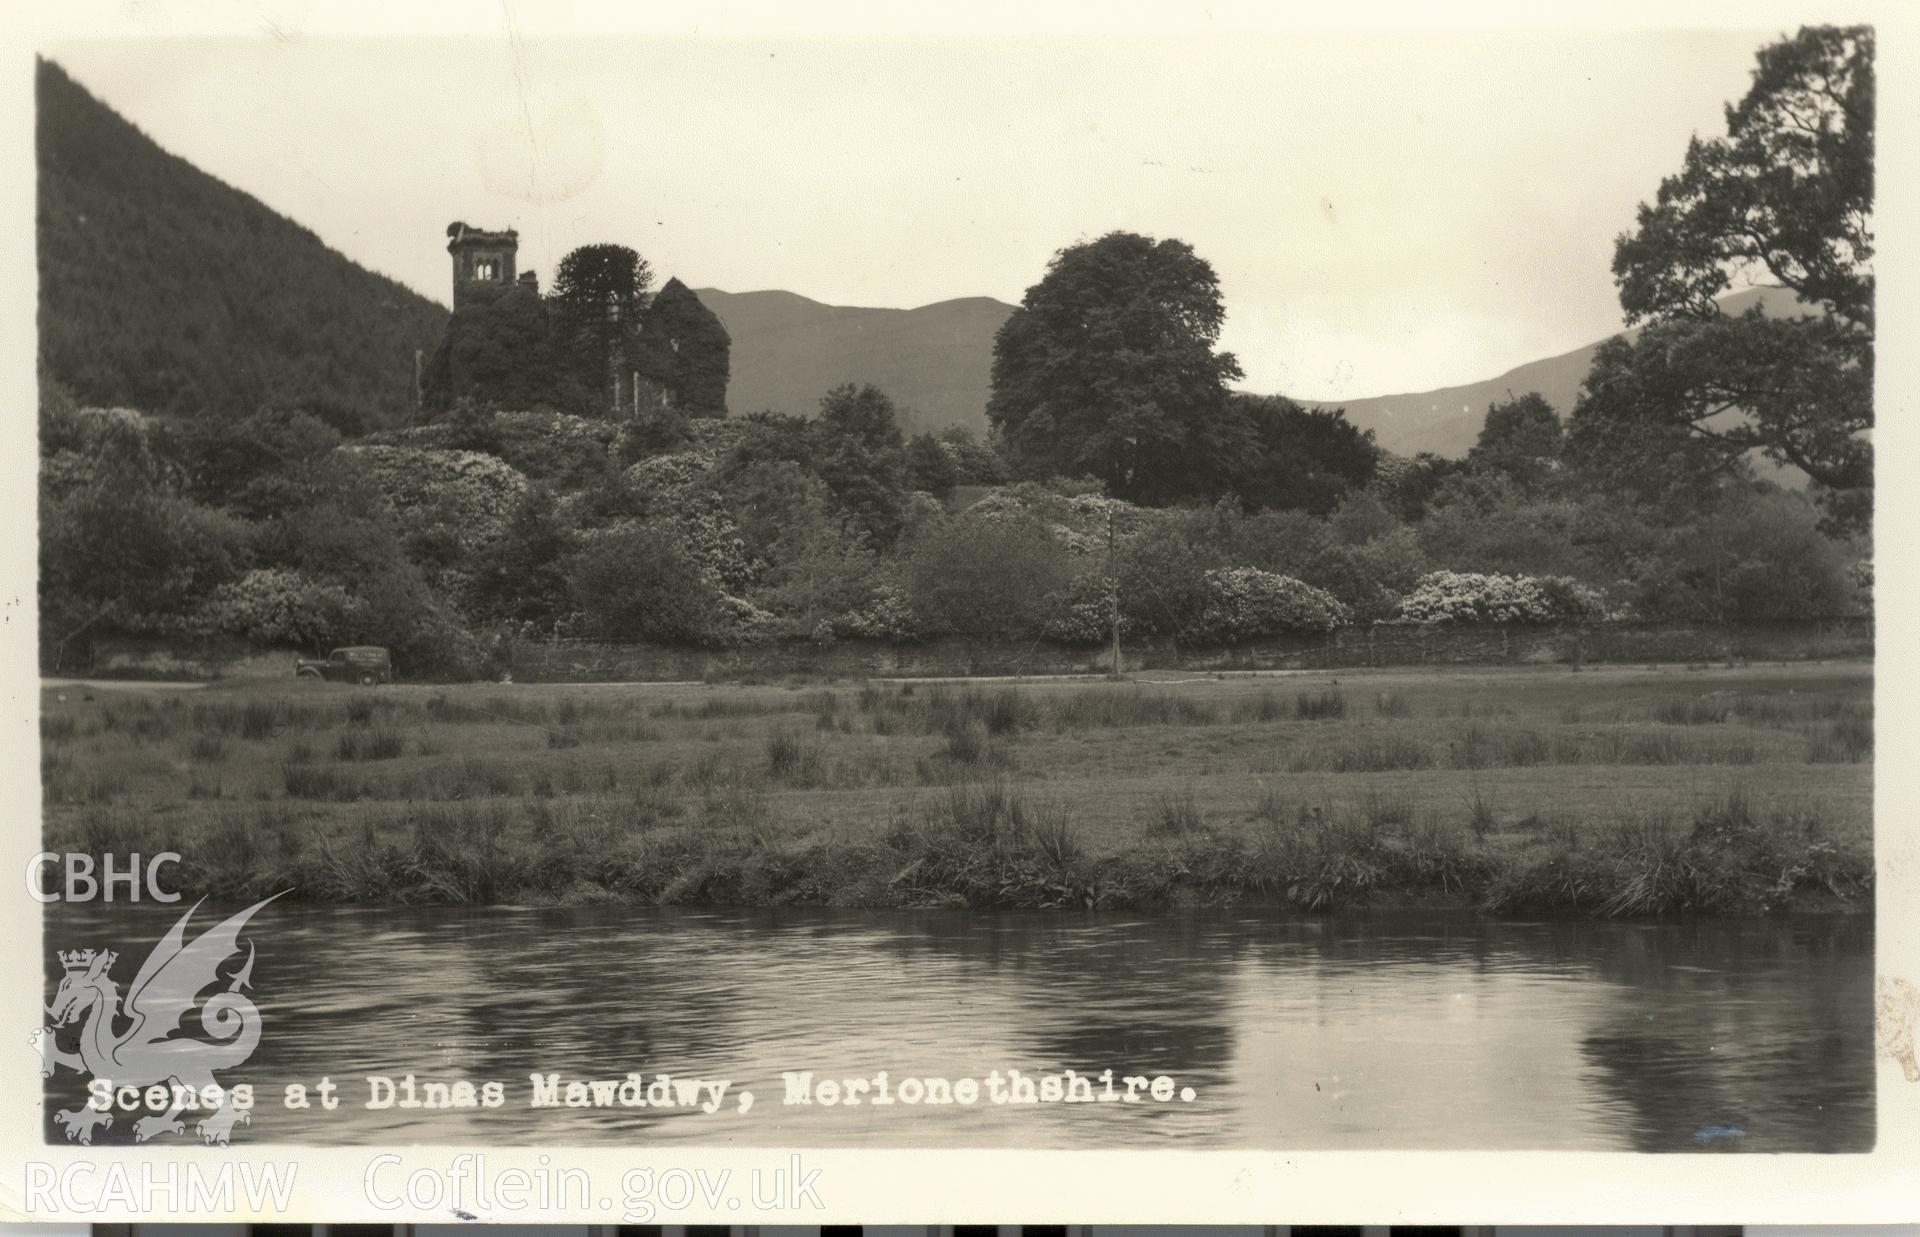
(1446, 420)
(935, 361)
(167, 289)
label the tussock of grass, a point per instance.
(986, 844)
(792, 761)
(1265, 707)
(998, 712)
(1109, 708)
(1847, 739)
(1320, 706)
(373, 743)
(1376, 752)
(1175, 814)
(260, 720)
(1692, 711)
(969, 750)
(64, 783)
(202, 785)
(307, 781)
(1730, 859)
(1392, 704)
(1482, 820)
(1380, 810)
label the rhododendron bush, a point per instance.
(277, 606)
(1468, 597)
(1245, 603)
(471, 495)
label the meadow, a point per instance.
(1516, 790)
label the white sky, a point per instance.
(1386, 212)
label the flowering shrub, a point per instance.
(676, 491)
(436, 435)
(715, 434)
(888, 615)
(1082, 613)
(472, 495)
(1468, 597)
(738, 621)
(1078, 521)
(277, 606)
(1245, 603)
(1860, 575)
(545, 444)
(662, 478)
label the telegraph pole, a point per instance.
(1113, 594)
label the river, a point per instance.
(1398, 1030)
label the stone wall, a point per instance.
(587, 661)
(1382, 645)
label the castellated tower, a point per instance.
(482, 261)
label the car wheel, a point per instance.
(366, 680)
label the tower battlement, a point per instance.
(480, 259)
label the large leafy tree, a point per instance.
(640, 583)
(1520, 439)
(986, 578)
(1108, 369)
(860, 455)
(1784, 199)
(503, 351)
(599, 293)
(1304, 459)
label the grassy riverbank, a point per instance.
(1614, 791)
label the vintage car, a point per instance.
(363, 663)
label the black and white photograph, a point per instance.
(1235, 590)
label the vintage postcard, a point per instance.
(857, 618)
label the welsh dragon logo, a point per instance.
(135, 1045)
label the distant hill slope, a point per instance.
(935, 361)
(164, 289)
(1447, 421)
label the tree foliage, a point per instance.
(522, 575)
(639, 583)
(1785, 198)
(501, 350)
(1108, 369)
(858, 451)
(684, 347)
(599, 294)
(1521, 440)
(1296, 458)
(985, 578)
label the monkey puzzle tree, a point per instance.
(1785, 199)
(1108, 369)
(599, 292)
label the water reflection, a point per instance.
(1403, 1030)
